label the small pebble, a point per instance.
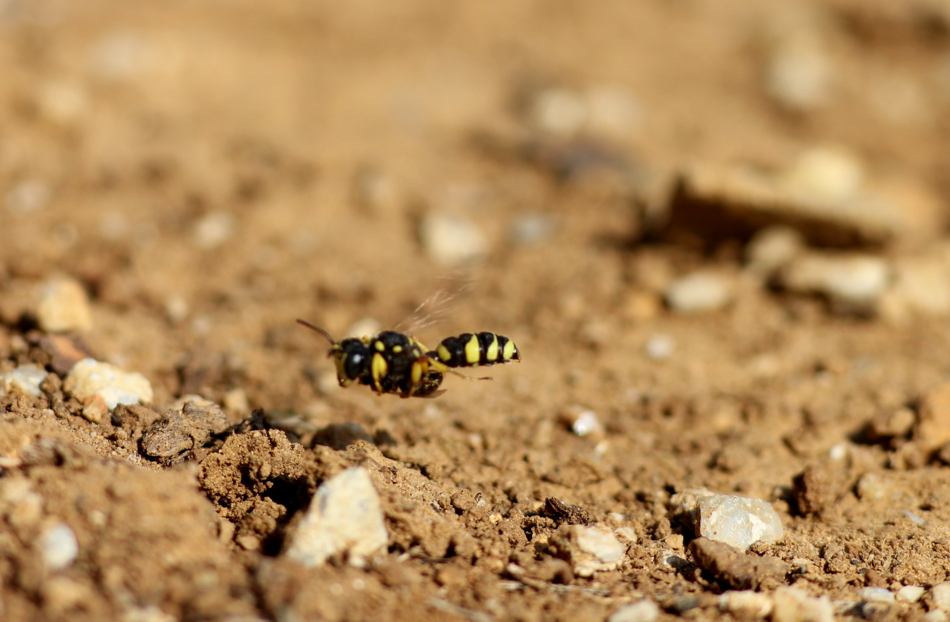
(95, 409)
(853, 283)
(90, 377)
(557, 111)
(59, 546)
(938, 597)
(26, 378)
(910, 593)
(698, 292)
(933, 424)
(64, 307)
(586, 423)
(345, 516)
(589, 549)
(831, 174)
(660, 347)
(772, 248)
(937, 615)
(451, 240)
(176, 309)
(214, 229)
(876, 595)
(746, 604)
(792, 604)
(799, 75)
(737, 521)
(642, 611)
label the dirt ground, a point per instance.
(210, 171)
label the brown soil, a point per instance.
(143, 119)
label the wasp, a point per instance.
(394, 362)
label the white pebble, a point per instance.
(214, 229)
(746, 604)
(59, 546)
(799, 75)
(660, 347)
(876, 595)
(589, 549)
(939, 596)
(559, 112)
(772, 248)
(344, 516)
(586, 423)
(910, 593)
(90, 377)
(26, 378)
(792, 604)
(937, 615)
(643, 611)
(451, 240)
(700, 291)
(827, 173)
(64, 307)
(737, 521)
(852, 282)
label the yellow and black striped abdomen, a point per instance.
(471, 349)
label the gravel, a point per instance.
(26, 378)
(59, 546)
(699, 292)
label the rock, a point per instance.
(828, 173)
(90, 377)
(64, 351)
(773, 248)
(214, 229)
(59, 546)
(710, 203)
(95, 409)
(737, 521)
(746, 604)
(852, 283)
(799, 74)
(698, 292)
(642, 611)
(581, 421)
(933, 422)
(876, 595)
(792, 604)
(736, 570)
(182, 430)
(451, 240)
(938, 597)
(910, 593)
(344, 517)
(561, 512)
(64, 307)
(659, 347)
(588, 549)
(25, 378)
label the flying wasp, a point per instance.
(394, 362)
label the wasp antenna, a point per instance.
(317, 329)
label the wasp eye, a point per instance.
(354, 364)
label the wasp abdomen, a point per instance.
(471, 349)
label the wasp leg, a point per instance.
(442, 367)
(378, 369)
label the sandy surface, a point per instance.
(211, 171)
